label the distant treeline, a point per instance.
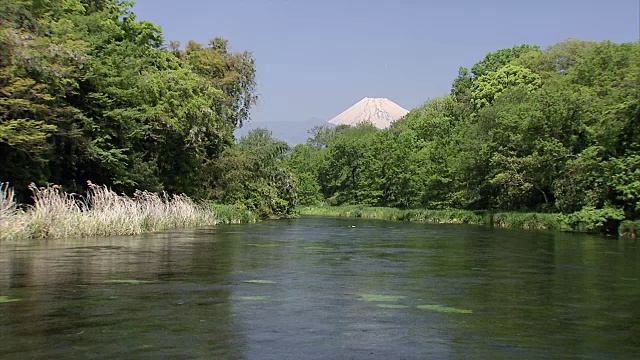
(554, 130)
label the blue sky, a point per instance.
(317, 58)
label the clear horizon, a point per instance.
(316, 59)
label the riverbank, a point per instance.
(57, 214)
(588, 221)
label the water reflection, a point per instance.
(72, 305)
(322, 288)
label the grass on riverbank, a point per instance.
(526, 220)
(588, 220)
(434, 216)
(228, 214)
(57, 214)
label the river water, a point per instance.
(322, 288)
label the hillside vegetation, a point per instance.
(524, 130)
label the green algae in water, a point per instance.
(444, 309)
(381, 245)
(254, 298)
(393, 306)
(6, 299)
(380, 298)
(104, 299)
(264, 245)
(129, 281)
(260, 282)
(318, 248)
(478, 269)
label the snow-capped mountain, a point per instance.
(381, 112)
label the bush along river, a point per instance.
(322, 288)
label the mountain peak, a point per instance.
(380, 112)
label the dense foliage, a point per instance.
(89, 93)
(555, 130)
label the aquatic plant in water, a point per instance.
(393, 306)
(6, 299)
(260, 282)
(254, 298)
(129, 281)
(318, 248)
(380, 298)
(444, 309)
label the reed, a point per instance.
(8, 205)
(102, 212)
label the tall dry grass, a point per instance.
(102, 212)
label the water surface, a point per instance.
(322, 288)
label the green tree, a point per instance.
(90, 93)
(306, 162)
(347, 157)
(626, 182)
(583, 181)
(487, 88)
(435, 149)
(40, 68)
(492, 62)
(254, 175)
(233, 73)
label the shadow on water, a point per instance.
(322, 288)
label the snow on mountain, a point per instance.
(381, 112)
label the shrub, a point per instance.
(629, 229)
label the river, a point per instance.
(322, 288)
